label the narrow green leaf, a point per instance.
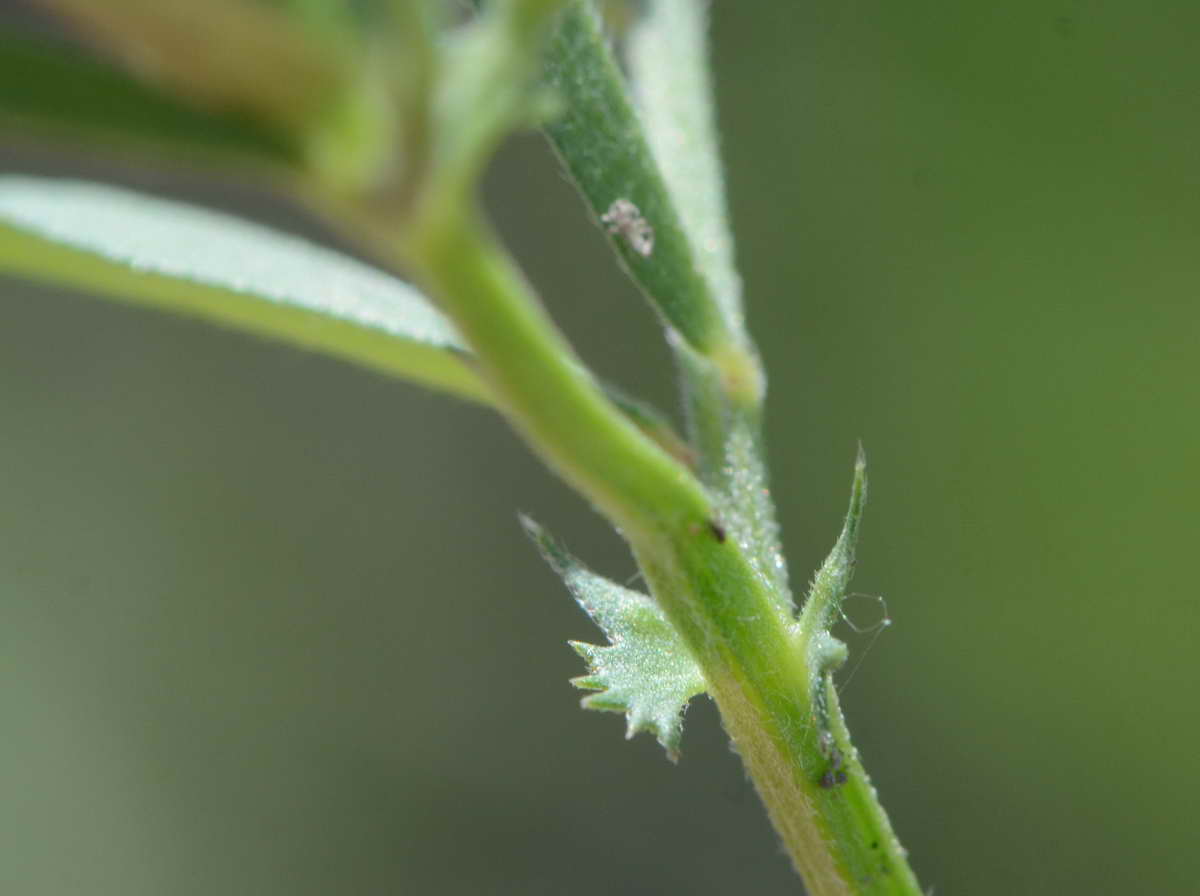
(745, 509)
(601, 142)
(727, 446)
(833, 578)
(669, 76)
(646, 672)
(192, 261)
(52, 92)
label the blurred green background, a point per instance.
(270, 626)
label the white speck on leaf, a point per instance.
(624, 218)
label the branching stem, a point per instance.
(733, 613)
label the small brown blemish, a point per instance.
(718, 532)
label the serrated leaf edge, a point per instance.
(602, 697)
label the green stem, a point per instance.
(780, 711)
(779, 706)
(544, 389)
(773, 684)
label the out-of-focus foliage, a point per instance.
(50, 93)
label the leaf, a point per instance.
(730, 462)
(833, 578)
(50, 91)
(647, 672)
(312, 77)
(603, 146)
(670, 81)
(744, 507)
(228, 55)
(192, 261)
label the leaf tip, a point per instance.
(831, 580)
(585, 650)
(532, 528)
(858, 500)
(667, 731)
(551, 550)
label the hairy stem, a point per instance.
(779, 708)
(544, 390)
(724, 595)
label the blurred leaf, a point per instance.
(189, 260)
(348, 15)
(226, 54)
(52, 91)
(647, 672)
(291, 73)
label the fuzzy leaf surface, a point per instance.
(201, 263)
(646, 670)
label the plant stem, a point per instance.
(545, 391)
(773, 684)
(771, 681)
(776, 705)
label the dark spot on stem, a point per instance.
(832, 777)
(718, 532)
